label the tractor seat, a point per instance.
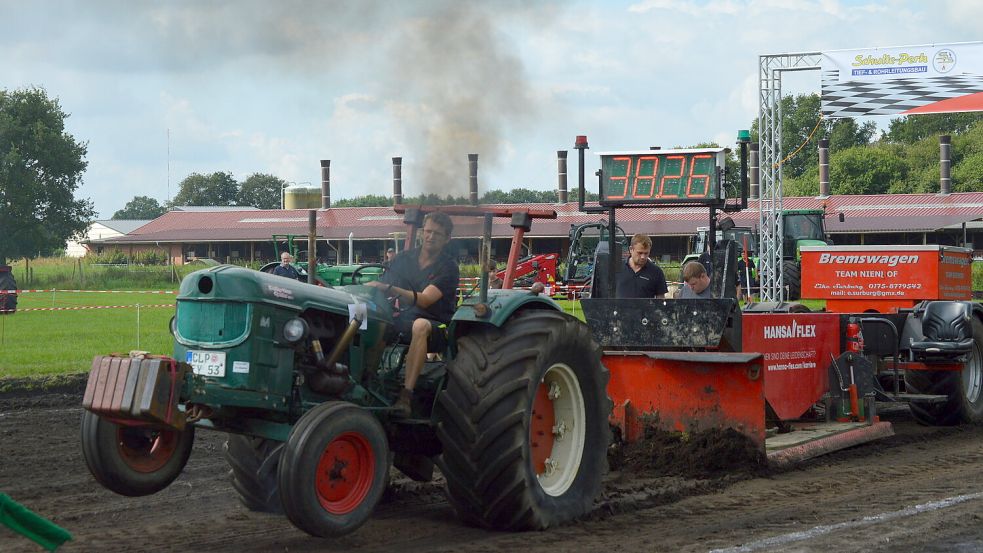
(947, 329)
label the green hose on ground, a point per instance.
(22, 520)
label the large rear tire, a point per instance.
(792, 277)
(524, 423)
(134, 460)
(253, 463)
(964, 389)
(334, 469)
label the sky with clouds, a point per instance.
(160, 90)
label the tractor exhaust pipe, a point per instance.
(397, 181)
(473, 178)
(561, 169)
(325, 183)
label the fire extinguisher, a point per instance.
(854, 337)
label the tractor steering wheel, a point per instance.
(367, 266)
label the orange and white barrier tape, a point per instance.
(90, 291)
(83, 307)
(2, 292)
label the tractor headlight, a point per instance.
(173, 326)
(295, 330)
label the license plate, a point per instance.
(207, 363)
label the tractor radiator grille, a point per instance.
(214, 323)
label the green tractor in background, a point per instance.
(800, 227)
(303, 378)
(325, 275)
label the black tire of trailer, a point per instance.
(134, 460)
(792, 278)
(253, 466)
(964, 388)
(496, 397)
(334, 469)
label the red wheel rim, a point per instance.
(345, 473)
(144, 449)
(541, 423)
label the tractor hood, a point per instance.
(232, 283)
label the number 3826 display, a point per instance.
(673, 176)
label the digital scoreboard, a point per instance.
(684, 176)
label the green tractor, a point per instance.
(303, 380)
(800, 227)
(325, 275)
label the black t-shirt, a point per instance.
(405, 272)
(648, 282)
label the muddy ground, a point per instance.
(921, 490)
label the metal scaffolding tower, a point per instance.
(770, 147)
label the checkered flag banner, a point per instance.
(935, 78)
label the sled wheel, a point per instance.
(792, 277)
(134, 460)
(253, 468)
(334, 469)
(964, 389)
(524, 423)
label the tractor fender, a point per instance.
(501, 306)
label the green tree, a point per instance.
(261, 190)
(845, 133)
(140, 207)
(41, 167)
(216, 189)
(369, 200)
(967, 176)
(914, 128)
(865, 170)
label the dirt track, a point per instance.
(820, 505)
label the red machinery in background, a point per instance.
(531, 269)
(899, 327)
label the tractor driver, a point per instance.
(424, 282)
(639, 277)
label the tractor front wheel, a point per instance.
(253, 463)
(334, 469)
(524, 423)
(964, 389)
(134, 460)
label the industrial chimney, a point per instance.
(325, 183)
(824, 168)
(561, 168)
(397, 180)
(473, 180)
(755, 184)
(945, 164)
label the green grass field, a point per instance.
(35, 343)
